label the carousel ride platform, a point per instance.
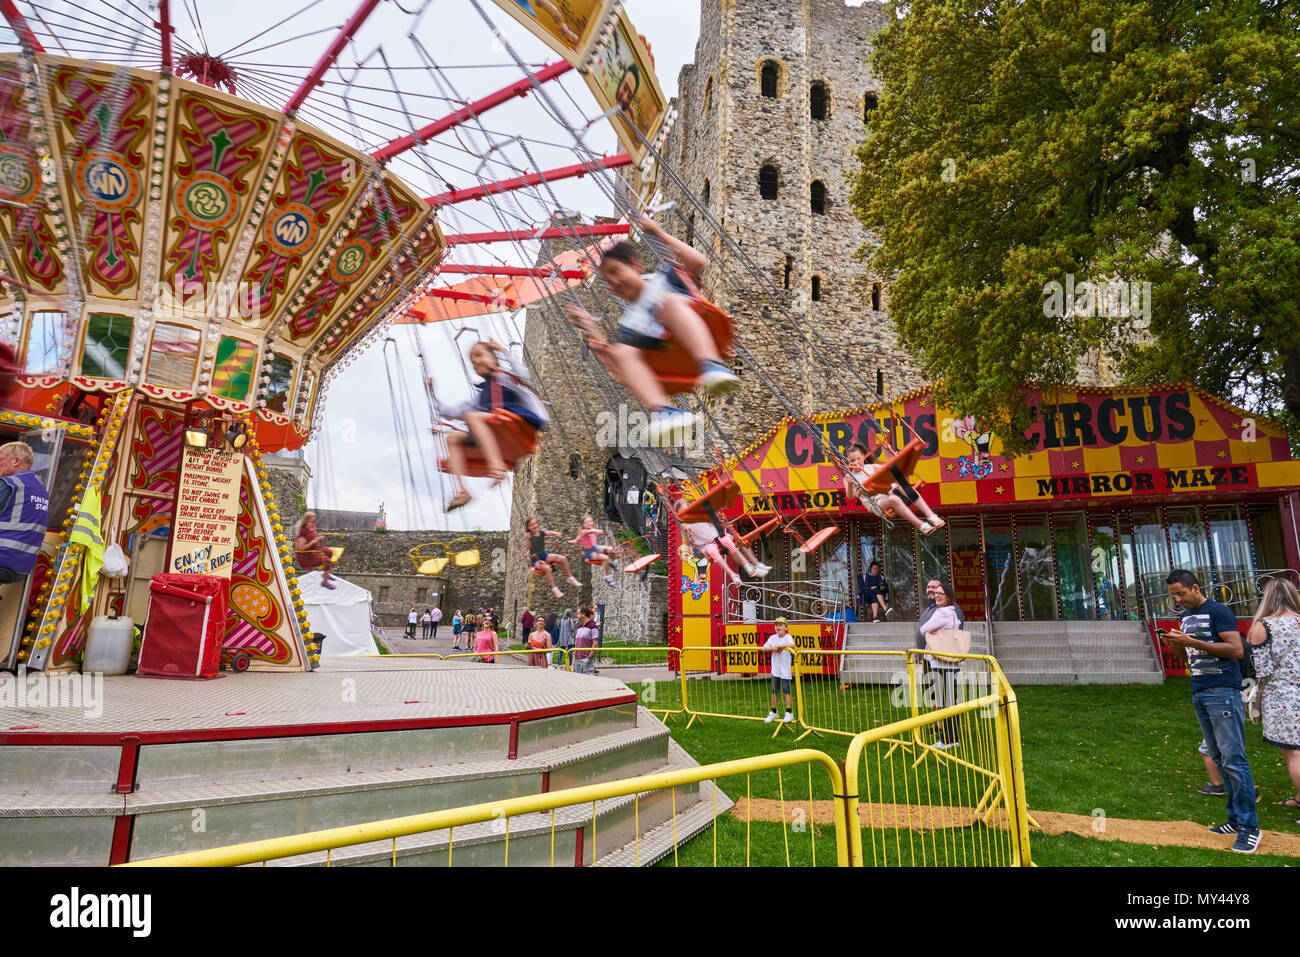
(169, 766)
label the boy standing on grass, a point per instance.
(1214, 649)
(781, 645)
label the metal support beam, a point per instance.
(165, 31)
(477, 108)
(555, 232)
(508, 271)
(20, 27)
(331, 54)
(529, 179)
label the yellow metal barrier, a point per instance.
(498, 815)
(930, 786)
(846, 692)
(652, 669)
(732, 687)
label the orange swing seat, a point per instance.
(896, 469)
(720, 496)
(515, 437)
(758, 531)
(674, 367)
(643, 562)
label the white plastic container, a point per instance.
(108, 645)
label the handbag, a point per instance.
(955, 641)
(1252, 697)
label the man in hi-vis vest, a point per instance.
(24, 505)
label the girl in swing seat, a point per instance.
(541, 560)
(504, 387)
(659, 310)
(861, 467)
(593, 552)
(711, 540)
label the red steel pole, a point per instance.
(478, 107)
(529, 179)
(555, 232)
(331, 54)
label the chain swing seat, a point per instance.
(896, 471)
(674, 367)
(515, 438)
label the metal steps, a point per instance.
(1030, 652)
(269, 787)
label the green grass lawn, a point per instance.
(1128, 750)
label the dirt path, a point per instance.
(927, 817)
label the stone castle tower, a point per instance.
(769, 115)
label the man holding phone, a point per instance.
(1214, 649)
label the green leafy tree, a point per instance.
(1020, 143)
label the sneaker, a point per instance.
(609, 580)
(1224, 828)
(717, 379)
(771, 716)
(926, 528)
(761, 570)
(734, 577)
(573, 581)
(749, 570)
(670, 426)
(1212, 789)
(556, 592)
(1248, 841)
(788, 717)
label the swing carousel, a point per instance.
(195, 245)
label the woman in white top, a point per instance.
(941, 673)
(861, 469)
(1275, 647)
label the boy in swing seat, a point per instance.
(659, 310)
(504, 386)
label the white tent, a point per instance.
(341, 614)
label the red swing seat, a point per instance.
(758, 531)
(644, 561)
(672, 365)
(720, 496)
(896, 469)
(515, 437)
(817, 537)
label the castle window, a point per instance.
(704, 196)
(767, 78)
(767, 182)
(819, 101)
(875, 296)
(789, 268)
(880, 383)
(818, 197)
(708, 94)
(816, 288)
(869, 103)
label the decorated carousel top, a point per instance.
(162, 235)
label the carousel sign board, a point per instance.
(1088, 443)
(207, 512)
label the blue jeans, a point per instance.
(1223, 722)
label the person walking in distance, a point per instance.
(412, 619)
(1214, 649)
(435, 618)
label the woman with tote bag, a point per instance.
(940, 627)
